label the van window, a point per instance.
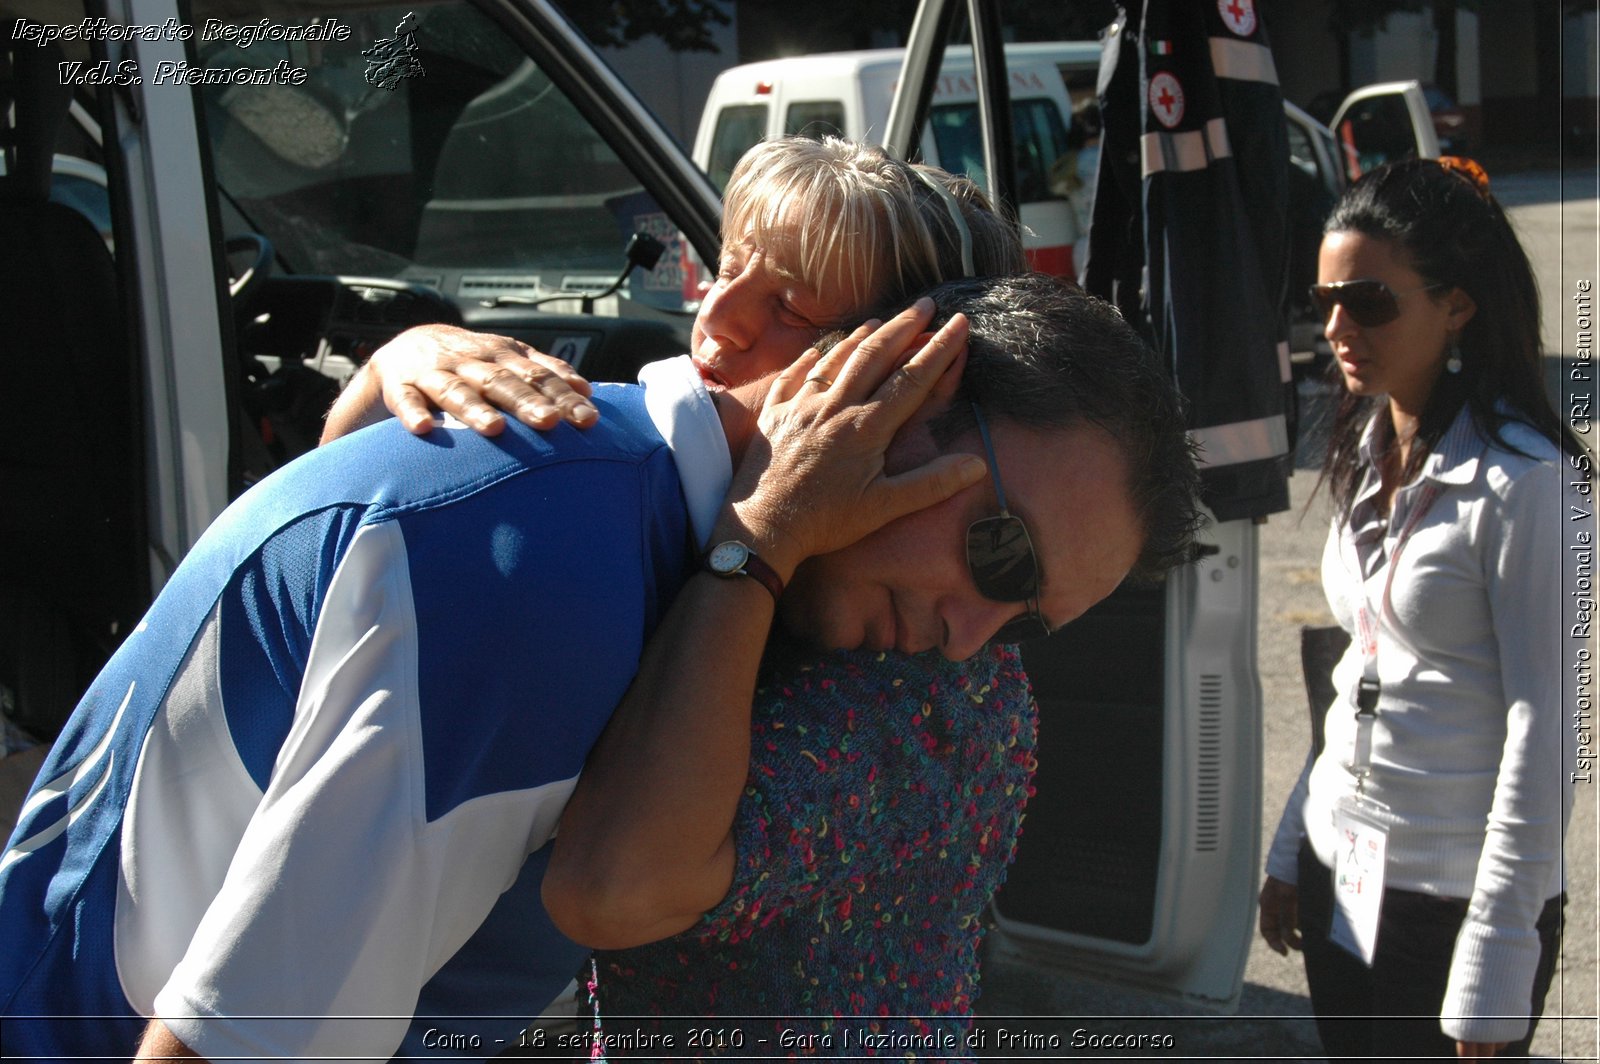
(1039, 139)
(737, 129)
(815, 118)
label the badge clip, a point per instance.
(1367, 697)
(1366, 716)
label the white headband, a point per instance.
(967, 267)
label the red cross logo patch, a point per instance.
(1166, 99)
(1240, 15)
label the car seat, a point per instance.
(73, 576)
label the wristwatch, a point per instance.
(732, 558)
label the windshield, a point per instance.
(440, 154)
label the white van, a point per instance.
(847, 94)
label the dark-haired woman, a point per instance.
(1418, 861)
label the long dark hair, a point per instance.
(1456, 234)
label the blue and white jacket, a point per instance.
(316, 783)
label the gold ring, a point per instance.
(824, 381)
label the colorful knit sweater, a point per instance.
(884, 801)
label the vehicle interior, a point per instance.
(71, 582)
(429, 200)
(348, 212)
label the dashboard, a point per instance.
(302, 337)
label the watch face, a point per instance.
(728, 557)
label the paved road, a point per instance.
(1559, 223)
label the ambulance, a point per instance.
(847, 94)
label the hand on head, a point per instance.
(813, 480)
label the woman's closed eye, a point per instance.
(794, 317)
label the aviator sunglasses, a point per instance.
(1369, 303)
(1001, 558)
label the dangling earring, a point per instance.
(1453, 363)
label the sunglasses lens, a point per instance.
(1000, 555)
(1023, 628)
(1369, 303)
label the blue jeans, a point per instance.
(1392, 1009)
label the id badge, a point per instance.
(1358, 876)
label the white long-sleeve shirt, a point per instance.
(1471, 750)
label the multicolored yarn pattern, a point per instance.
(884, 802)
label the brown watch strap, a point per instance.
(735, 558)
(754, 566)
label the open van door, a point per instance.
(1138, 863)
(247, 225)
(1380, 123)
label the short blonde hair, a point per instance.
(848, 218)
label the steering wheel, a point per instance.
(244, 285)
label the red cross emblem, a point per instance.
(1240, 16)
(1166, 99)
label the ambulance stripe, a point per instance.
(1183, 152)
(1242, 441)
(1243, 61)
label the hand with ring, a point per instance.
(466, 374)
(816, 481)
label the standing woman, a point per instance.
(1441, 787)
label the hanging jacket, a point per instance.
(1189, 232)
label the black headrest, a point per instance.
(30, 77)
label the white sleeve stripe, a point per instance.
(49, 834)
(61, 785)
(341, 898)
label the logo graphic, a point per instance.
(1166, 99)
(393, 59)
(1240, 15)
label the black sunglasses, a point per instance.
(1370, 303)
(1000, 555)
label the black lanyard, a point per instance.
(1367, 621)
